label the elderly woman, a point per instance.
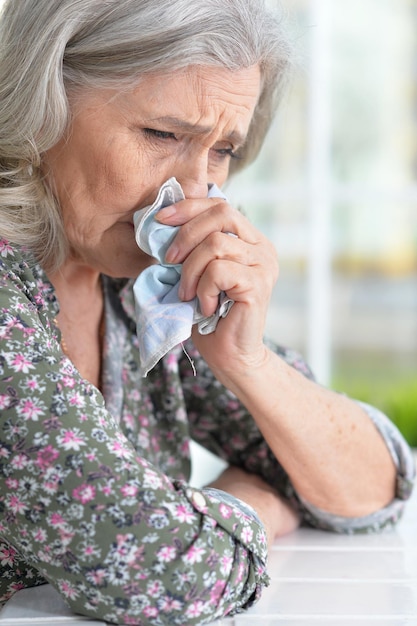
(102, 102)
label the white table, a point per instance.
(318, 578)
(330, 580)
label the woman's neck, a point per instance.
(80, 319)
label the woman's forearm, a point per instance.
(334, 455)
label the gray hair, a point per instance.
(49, 49)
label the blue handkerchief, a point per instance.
(163, 320)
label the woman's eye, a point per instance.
(227, 152)
(158, 134)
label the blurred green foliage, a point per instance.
(385, 385)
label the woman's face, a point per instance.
(121, 147)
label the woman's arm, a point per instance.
(326, 442)
(336, 458)
(221, 423)
(80, 508)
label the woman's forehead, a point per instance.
(194, 99)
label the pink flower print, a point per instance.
(21, 364)
(225, 511)
(30, 411)
(195, 609)
(7, 555)
(152, 479)
(67, 589)
(5, 248)
(65, 536)
(90, 551)
(216, 591)
(107, 489)
(155, 444)
(46, 457)
(132, 621)
(4, 452)
(119, 449)
(15, 323)
(185, 448)
(84, 493)
(194, 554)
(32, 383)
(129, 491)
(126, 553)
(97, 576)
(20, 461)
(4, 401)
(154, 589)
(71, 439)
(40, 301)
(40, 535)
(134, 395)
(150, 611)
(241, 571)
(226, 563)
(181, 415)
(171, 360)
(56, 520)
(76, 399)
(184, 514)
(16, 505)
(129, 420)
(247, 534)
(17, 586)
(143, 439)
(143, 420)
(168, 603)
(166, 554)
(68, 381)
(12, 483)
(51, 486)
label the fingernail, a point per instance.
(181, 292)
(172, 254)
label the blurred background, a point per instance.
(335, 189)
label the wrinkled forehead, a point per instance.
(200, 99)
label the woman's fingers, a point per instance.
(224, 263)
(220, 250)
(216, 247)
(198, 220)
(244, 266)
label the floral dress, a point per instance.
(94, 496)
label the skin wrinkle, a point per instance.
(107, 167)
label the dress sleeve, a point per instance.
(221, 424)
(120, 540)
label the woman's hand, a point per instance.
(329, 447)
(245, 267)
(276, 514)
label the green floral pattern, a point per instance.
(93, 486)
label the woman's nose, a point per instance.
(193, 178)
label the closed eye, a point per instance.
(158, 134)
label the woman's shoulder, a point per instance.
(20, 272)
(16, 258)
